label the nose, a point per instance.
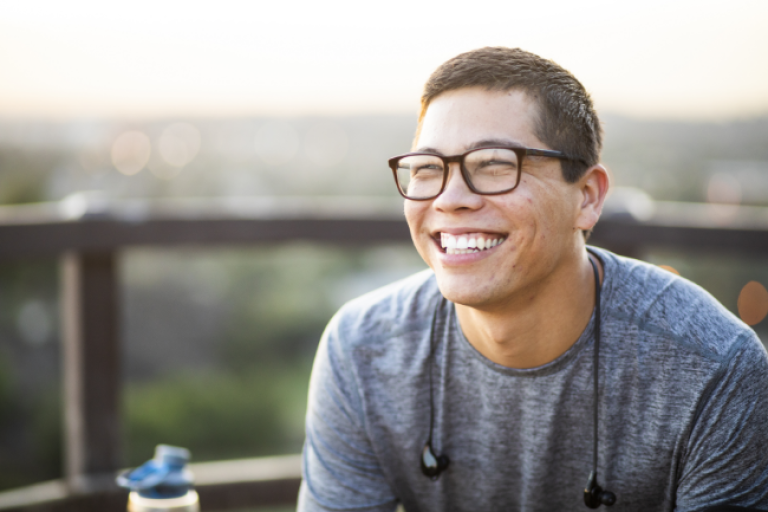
(457, 194)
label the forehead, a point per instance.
(457, 120)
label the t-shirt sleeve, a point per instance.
(727, 456)
(340, 469)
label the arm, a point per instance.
(726, 462)
(340, 469)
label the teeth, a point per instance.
(464, 244)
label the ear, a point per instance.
(593, 187)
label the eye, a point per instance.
(421, 166)
(495, 167)
(492, 162)
(427, 168)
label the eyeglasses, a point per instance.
(486, 171)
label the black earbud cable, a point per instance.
(595, 359)
(432, 465)
(431, 363)
(594, 496)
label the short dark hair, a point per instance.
(567, 120)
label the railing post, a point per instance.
(91, 366)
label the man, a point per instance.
(471, 386)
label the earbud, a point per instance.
(432, 465)
(594, 495)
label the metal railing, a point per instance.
(87, 237)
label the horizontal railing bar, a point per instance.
(247, 470)
(32, 495)
(721, 228)
(104, 235)
(40, 230)
(18, 242)
(222, 485)
(85, 207)
(619, 234)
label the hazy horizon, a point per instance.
(142, 60)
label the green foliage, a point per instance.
(282, 297)
(47, 434)
(31, 431)
(30, 397)
(219, 415)
(273, 303)
(5, 386)
(20, 281)
(23, 174)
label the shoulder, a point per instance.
(670, 312)
(401, 307)
(373, 336)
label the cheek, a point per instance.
(539, 218)
(526, 211)
(414, 215)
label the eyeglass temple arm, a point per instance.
(552, 154)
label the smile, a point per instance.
(469, 242)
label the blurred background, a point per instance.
(174, 100)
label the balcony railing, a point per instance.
(88, 234)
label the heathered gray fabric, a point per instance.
(683, 407)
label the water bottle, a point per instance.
(162, 484)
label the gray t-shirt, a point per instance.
(683, 403)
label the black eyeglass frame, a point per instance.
(520, 151)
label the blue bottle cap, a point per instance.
(164, 476)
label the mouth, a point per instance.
(469, 242)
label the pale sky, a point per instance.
(651, 59)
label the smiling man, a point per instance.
(525, 371)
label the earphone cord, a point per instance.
(594, 366)
(431, 363)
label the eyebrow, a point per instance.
(478, 144)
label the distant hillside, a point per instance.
(39, 161)
(675, 160)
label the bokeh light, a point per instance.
(179, 144)
(277, 142)
(723, 188)
(34, 322)
(669, 269)
(234, 141)
(130, 152)
(92, 160)
(723, 193)
(326, 144)
(753, 303)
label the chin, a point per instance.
(464, 291)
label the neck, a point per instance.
(540, 325)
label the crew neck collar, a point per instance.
(586, 338)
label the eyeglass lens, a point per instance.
(489, 171)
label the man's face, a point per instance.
(534, 225)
